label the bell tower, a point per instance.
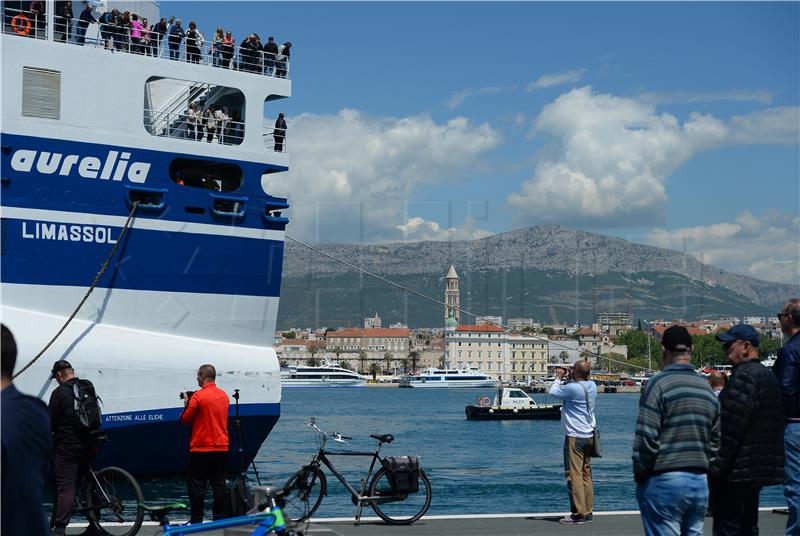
(452, 298)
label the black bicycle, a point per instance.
(110, 499)
(399, 492)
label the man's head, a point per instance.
(581, 370)
(676, 345)
(206, 374)
(9, 355)
(789, 317)
(717, 380)
(62, 371)
(739, 343)
(163, 20)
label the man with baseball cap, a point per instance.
(751, 450)
(677, 432)
(72, 444)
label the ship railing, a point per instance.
(274, 138)
(188, 127)
(119, 39)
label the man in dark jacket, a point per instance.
(157, 33)
(270, 53)
(84, 20)
(279, 133)
(25, 434)
(787, 369)
(751, 451)
(176, 35)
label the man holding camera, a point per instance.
(578, 421)
(206, 411)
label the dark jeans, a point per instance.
(735, 508)
(70, 464)
(205, 467)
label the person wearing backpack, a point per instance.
(74, 419)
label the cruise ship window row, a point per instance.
(149, 40)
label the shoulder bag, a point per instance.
(596, 451)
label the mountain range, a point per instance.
(549, 273)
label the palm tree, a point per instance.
(413, 356)
(312, 361)
(404, 364)
(374, 369)
(345, 365)
(387, 357)
(362, 361)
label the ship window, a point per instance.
(181, 109)
(41, 93)
(206, 174)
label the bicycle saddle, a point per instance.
(383, 438)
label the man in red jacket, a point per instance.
(206, 411)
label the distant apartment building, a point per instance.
(480, 347)
(615, 318)
(375, 343)
(518, 324)
(489, 320)
(526, 357)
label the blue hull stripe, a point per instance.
(67, 188)
(155, 443)
(146, 260)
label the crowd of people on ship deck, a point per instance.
(129, 32)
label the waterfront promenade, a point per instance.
(604, 524)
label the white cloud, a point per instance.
(611, 156)
(351, 174)
(763, 96)
(457, 99)
(555, 79)
(767, 247)
(418, 229)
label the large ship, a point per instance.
(95, 131)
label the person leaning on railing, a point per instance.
(157, 33)
(64, 23)
(228, 47)
(84, 20)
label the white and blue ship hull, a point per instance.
(185, 288)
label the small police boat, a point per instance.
(511, 404)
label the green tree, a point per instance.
(345, 365)
(636, 341)
(374, 369)
(706, 349)
(312, 361)
(548, 331)
(283, 363)
(362, 361)
(289, 335)
(387, 358)
(404, 363)
(768, 345)
(413, 356)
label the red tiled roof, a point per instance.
(587, 332)
(483, 329)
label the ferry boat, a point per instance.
(511, 404)
(448, 378)
(93, 136)
(328, 375)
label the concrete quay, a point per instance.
(626, 523)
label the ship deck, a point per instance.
(604, 524)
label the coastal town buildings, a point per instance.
(526, 357)
(478, 347)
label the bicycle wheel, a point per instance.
(306, 487)
(399, 508)
(113, 502)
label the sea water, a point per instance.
(473, 466)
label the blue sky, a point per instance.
(663, 123)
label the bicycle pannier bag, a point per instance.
(87, 405)
(402, 473)
(240, 500)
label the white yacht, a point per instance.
(328, 375)
(448, 378)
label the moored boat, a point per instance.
(511, 404)
(448, 378)
(328, 375)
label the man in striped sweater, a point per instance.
(677, 433)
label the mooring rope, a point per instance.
(462, 311)
(88, 292)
